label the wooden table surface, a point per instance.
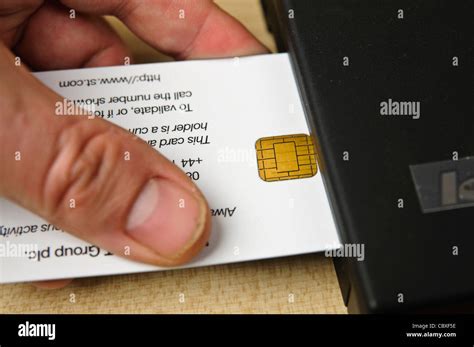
(299, 284)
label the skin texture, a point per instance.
(82, 158)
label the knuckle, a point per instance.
(81, 173)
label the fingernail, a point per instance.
(166, 218)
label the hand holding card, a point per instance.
(65, 156)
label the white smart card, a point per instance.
(235, 126)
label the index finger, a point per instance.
(180, 28)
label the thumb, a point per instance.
(94, 179)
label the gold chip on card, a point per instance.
(286, 157)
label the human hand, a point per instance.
(118, 204)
